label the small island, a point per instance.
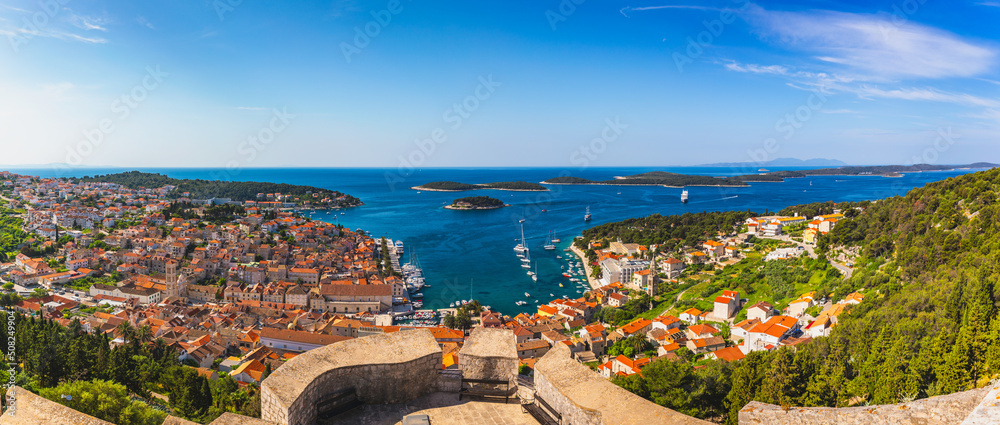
(449, 186)
(476, 203)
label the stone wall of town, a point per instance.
(949, 409)
(571, 412)
(449, 381)
(584, 397)
(489, 354)
(389, 368)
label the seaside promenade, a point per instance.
(594, 283)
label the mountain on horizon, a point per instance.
(782, 162)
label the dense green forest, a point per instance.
(930, 262)
(55, 360)
(477, 202)
(216, 214)
(204, 189)
(458, 187)
(669, 232)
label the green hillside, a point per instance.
(929, 264)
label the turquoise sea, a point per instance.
(469, 254)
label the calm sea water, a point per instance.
(469, 254)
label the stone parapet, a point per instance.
(948, 409)
(584, 398)
(383, 369)
(449, 381)
(489, 354)
(33, 409)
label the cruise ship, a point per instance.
(684, 196)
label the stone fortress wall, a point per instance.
(489, 354)
(974, 407)
(402, 366)
(583, 397)
(387, 368)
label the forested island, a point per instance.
(476, 203)
(236, 191)
(927, 263)
(449, 186)
(663, 178)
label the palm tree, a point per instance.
(144, 334)
(126, 331)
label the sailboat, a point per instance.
(551, 245)
(684, 196)
(534, 276)
(521, 248)
(554, 238)
(586, 217)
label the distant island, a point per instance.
(234, 191)
(663, 178)
(476, 203)
(782, 162)
(448, 186)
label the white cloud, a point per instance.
(144, 22)
(881, 46)
(928, 95)
(670, 6)
(88, 23)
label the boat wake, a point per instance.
(715, 200)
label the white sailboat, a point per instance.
(551, 246)
(521, 248)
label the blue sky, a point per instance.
(497, 83)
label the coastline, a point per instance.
(454, 208)
(647, 184)
(594, 284)
(481, 188)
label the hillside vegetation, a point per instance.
(929, 263)
(237, 191)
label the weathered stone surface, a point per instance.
(234, 419)
(32, 409)
(388, 368)
(941, 410)
(584, 398)
(173, 420)
(449, 381)
(489, 354)
(988, 411)
(443, 409)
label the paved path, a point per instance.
(443, 409)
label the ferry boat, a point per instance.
(399, 247)
(684, 196)
(586, 217)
